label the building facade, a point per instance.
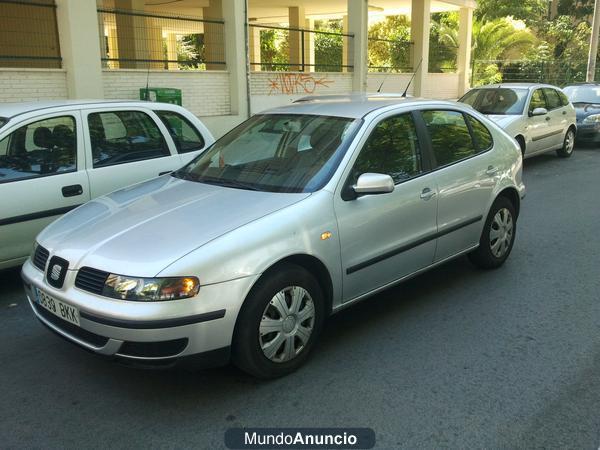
(229, 58)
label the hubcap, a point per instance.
(501, 232)
(569, 142)
(287, 324)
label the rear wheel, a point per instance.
(498, 236)
(568, 144)
(279, 323)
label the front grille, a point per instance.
(40, 257)
(73, 330)
(91, 280)
(159, 349)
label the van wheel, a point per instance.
(498, 236)
(568, 145)
(279, 323)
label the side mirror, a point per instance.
(539, 112)
(373, 183)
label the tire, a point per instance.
(273, 335)
(568, 144)
(501, 221)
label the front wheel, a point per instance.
(568, 145)
(279, 323)
(498, 236)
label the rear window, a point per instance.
(502, 101)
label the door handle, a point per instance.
(72, 190)
(491, 170)
(164, 173)
(427, 193)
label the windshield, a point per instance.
(500, 101)
(583, 94)
(276, 153)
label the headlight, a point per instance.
(594, 118)
(150, 289)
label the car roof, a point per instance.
(10, 110)
(516, 86)
(352, 105)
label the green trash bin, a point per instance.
(163, 95)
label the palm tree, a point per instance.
(496, 40)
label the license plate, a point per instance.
(56, 307)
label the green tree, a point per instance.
(527, 10)
(389, 44)
(329, 48)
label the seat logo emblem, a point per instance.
(56, 270)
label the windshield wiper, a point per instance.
(228, 183)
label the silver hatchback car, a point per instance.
(293, 215)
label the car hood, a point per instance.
(142, 229)
(582, 110)
(503, 120)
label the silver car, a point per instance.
(539, 116)
(295, 214)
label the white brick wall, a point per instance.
(271, 89)
(26, 85)
(441, 86)
(394, 83)
(203, 93)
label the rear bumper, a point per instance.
(200, 337)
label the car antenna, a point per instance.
(412, 78)
(147, 96)
(382, 81)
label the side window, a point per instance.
(186, 137)
(450, 137)
(481, 135)
(537, 100)
(120, 137)
(392, 148)
(553, 101)
(563, 98)
(42, 148)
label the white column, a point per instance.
(465, 31)
(254, 48)
(236, 55)
(297, 21)
(309, 46)
(80, 47)
(419, 30)
(358, 24)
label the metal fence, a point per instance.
(275, 48)
(387, 55)
(144, 40)
(559, 73)
(442, 58)
(29, 34)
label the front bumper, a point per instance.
(145, 334)
(588, 133)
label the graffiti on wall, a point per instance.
(296, 83)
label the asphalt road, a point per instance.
(454, 358)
